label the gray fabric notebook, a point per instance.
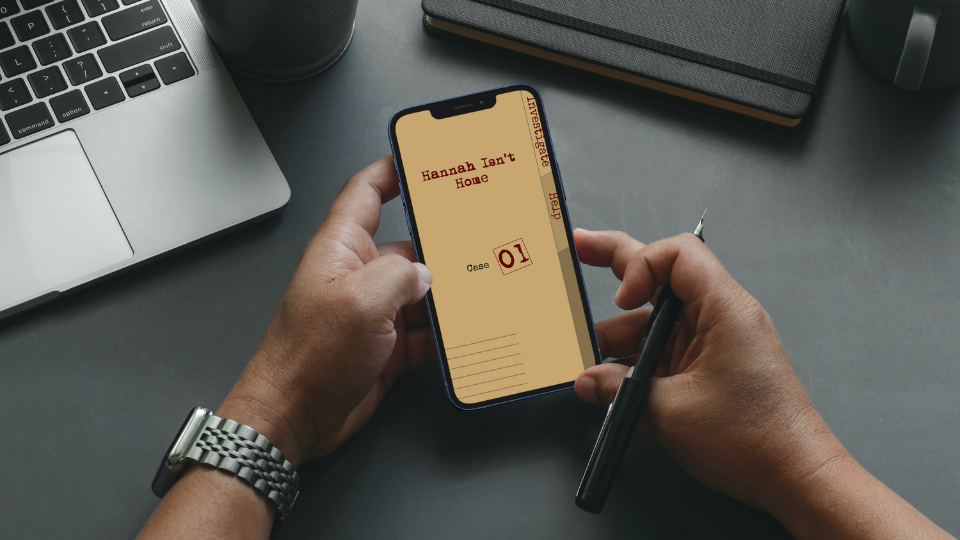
(756, 57)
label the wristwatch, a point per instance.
(230, 446)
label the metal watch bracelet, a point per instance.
(230, 446)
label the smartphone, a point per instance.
(487, 214)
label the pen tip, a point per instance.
(699, 231)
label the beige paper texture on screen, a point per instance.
(486, 208)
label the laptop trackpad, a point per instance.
(56, 225)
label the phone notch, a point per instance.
(463, 105)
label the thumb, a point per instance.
(599, 384)
(389, 283)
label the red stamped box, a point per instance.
(512, 256)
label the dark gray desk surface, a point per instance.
(845, 229)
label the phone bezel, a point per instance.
(445, 109)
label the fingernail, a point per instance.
(424, 273)
(587, 389)
(581, 229)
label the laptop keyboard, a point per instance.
(63, 60)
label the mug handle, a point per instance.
(916, 48)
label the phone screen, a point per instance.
(488, 215)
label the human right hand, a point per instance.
(726, 403)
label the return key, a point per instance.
(133, 20)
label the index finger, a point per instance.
(612, 249)
(686, 264)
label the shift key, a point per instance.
(134, 20)
(139, 49)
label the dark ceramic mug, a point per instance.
(279, 39)
(913, 43)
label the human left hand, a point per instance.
(351, 321)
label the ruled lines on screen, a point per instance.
(486, 366)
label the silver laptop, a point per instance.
(122, 137)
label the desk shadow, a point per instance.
(121, 284)
(889, 135)
(651, 490)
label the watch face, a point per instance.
(169, 470)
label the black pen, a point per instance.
(624, 412)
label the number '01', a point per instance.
(512, 260)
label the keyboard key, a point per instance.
(4, 138)
(139, 49)
(30, 4)
(64, 14)
(141, 88)
(82, 70)
(8, 8)
(134, 20)
(69, 106)
(139, 80)
(128, 2)
(174, 68)
(47, 82)
(17, 61)
(6, 36)
(137, 74)
(13, 94)
(31, 25)
(29, 120)
(99, 7)
(86, 36)
(104, 93)
(51, 49)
